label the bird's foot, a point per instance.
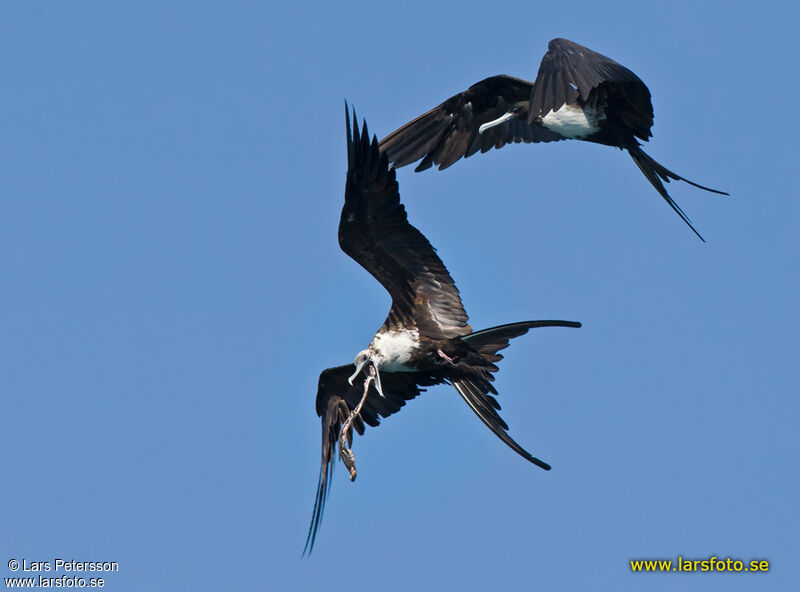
(444, 356)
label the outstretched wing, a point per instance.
(570, 71)
(374, 230)
(336, 398)
(447, 132)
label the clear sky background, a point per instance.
(171, 178)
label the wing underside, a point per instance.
(336, 398)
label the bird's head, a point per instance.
(363, 358)
(518, 111)
(367, 358)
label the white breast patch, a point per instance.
(571, 121)
(394, 349)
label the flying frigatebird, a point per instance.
(424, 341)
(578, 94)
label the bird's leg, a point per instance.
(444, 356)
(347, 456)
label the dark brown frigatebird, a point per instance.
(424, 341)
(578, 94)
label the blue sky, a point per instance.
(171, 182)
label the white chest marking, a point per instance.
(571, 122)
(394, 349)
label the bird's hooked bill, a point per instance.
(359, 366)
(374, 375)
(495, 122)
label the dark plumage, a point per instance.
(424, 341)
(578, 94)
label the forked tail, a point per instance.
(475, 389)
(655, 173)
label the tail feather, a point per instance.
(490, 341)
(475, 389)
(471, 393)
(655, 172)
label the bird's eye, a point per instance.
(515, 110)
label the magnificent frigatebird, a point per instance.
(424, 341)
(577, 95)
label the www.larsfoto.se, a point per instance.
(712, 564)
